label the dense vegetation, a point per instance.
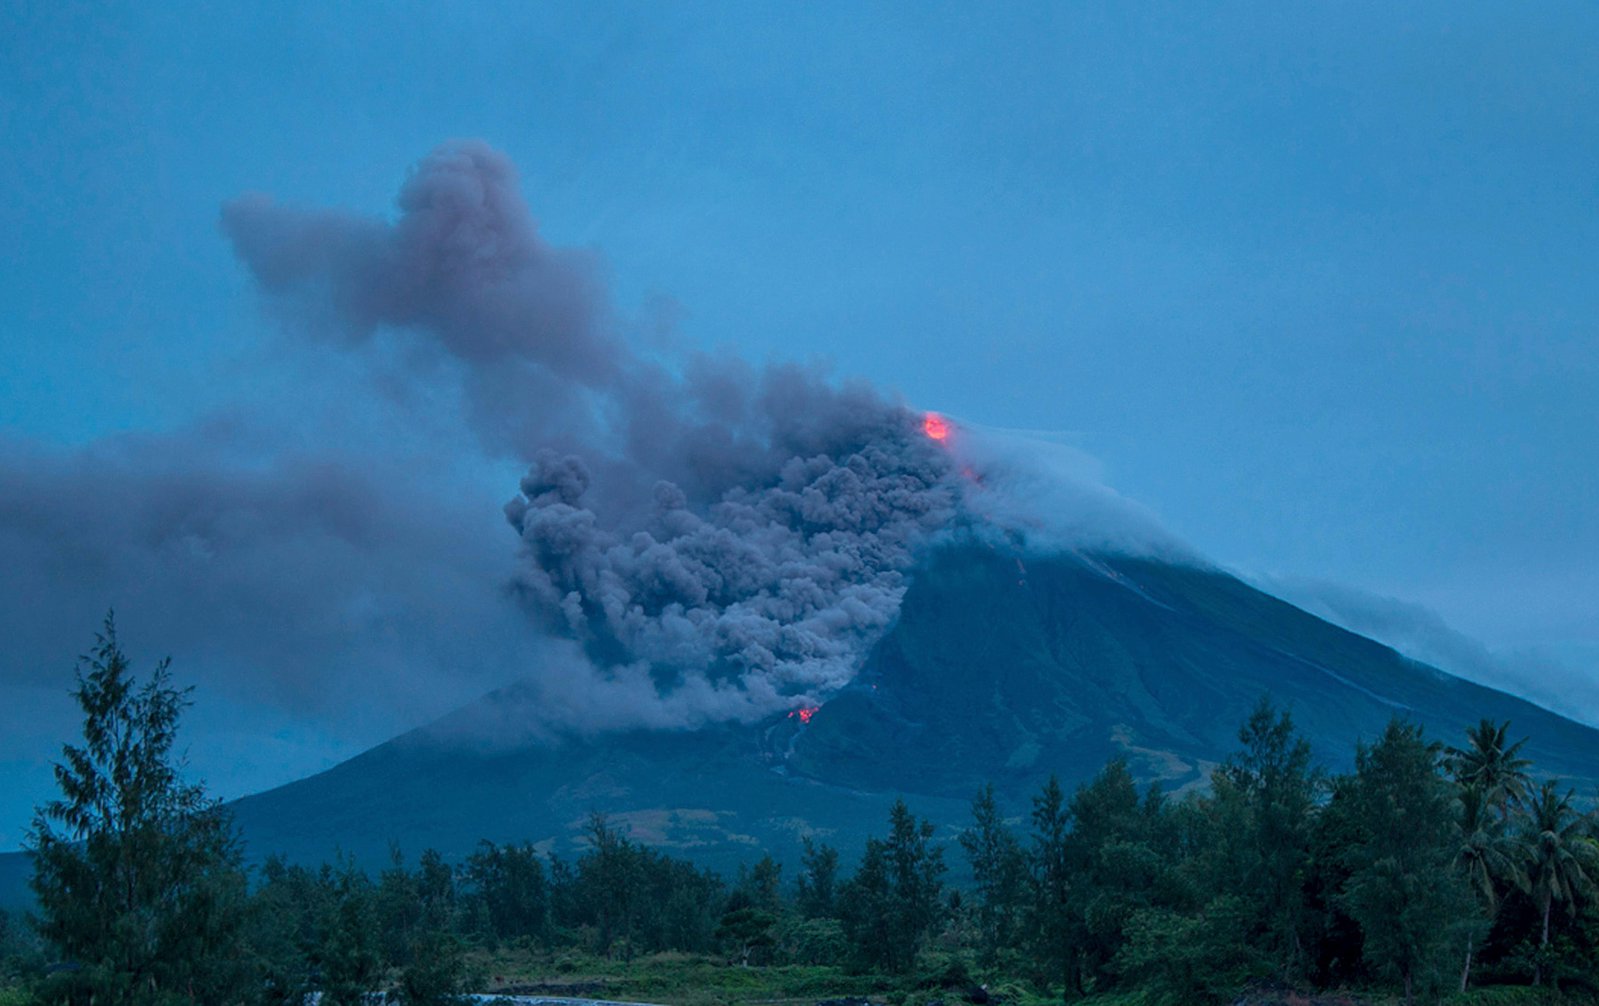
(1425, 871)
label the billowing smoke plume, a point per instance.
(742, 534)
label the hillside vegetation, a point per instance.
(1425, 872)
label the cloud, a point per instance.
(1419, 632)
(308, 581)
(1037, 487)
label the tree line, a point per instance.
(1426, 869)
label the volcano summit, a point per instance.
(785, 601)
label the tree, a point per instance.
(1265, 794)
(282, 928)
(748, 928)
(1051, 918)
(998, 869)
(436, 973)
(136, 872)
(889, 906)
(1402, 888)
(1116, 862)
(1174, 958)
(610, 875)
(507, 895)
(1492, 765)
(762, 885)
(1488, 858)
(1561, 858)
(346, 952)
(814, 894)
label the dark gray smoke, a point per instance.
(314, 582)
(741, 534)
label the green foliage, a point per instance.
(1397, 876)
(888, 908)
(346, 958)
(1505, 995)
(610, 879)
(816, 888)
(1491, 765)
(1119, 864)
(1262, 808)
(1051, 913)
(748, 930)
(505, 894)
(281, 926)
(1563, 859)
(811, 941)
(761, 885)
(435, 975)
(999, 872)
(21, 960)
(136, 873)
(1183, 959)
(1411, 904)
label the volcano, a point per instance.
(1002, 667)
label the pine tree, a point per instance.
(815, 894)
(1274, 787)
(1051, 918)
(891, 904)
(998, 869)
(347, 954)
(137, 872)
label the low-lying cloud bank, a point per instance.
(1419, 632)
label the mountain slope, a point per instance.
(1001, 668)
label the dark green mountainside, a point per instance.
(1001, 668)
(1008, 669)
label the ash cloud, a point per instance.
(694, 538)
(736, 536)
(302, 580)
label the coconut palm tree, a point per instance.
(1492, 764)
(1489, 858)
(1562, 860)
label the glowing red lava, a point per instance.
(935, 426)
(805, 714)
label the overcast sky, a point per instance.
(1315, 284)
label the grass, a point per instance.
(679, 979)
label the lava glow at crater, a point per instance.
(935, 426)
(803, 715)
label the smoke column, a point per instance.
(736, 536)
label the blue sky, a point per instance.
(1315, 283)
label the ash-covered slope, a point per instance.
(1001, 668)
